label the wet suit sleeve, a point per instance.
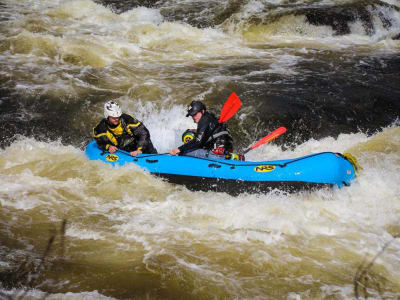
(200, 137)
(139, 131)
(101, 136)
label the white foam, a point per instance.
(37, 294)
(79, 232)
(143, 15)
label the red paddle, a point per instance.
(267, 138)
(231, 106)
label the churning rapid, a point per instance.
(70, 228)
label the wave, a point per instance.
(127, 222)
(365, 22)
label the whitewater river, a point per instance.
(327, 70)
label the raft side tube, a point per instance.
(307, 172)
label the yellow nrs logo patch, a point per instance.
(112, 157)
(264, 168)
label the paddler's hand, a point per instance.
(112, 149)
(136, 152)
(174, 151)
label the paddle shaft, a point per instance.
(269, 137)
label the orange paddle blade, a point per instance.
(231, 106)
(270, 137)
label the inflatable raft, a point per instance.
(235, 177)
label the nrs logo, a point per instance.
(112, 157)
(264, 168)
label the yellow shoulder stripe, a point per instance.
(133, 125)
(99, 135)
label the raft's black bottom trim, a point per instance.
(236, 187)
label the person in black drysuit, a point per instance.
(122, 131)
(211, 139)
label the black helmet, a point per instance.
(195, 107)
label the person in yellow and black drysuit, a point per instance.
(122, 131)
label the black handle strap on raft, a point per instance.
(151, 161)
(215, 166)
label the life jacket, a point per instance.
(209, 135)
(129, 135)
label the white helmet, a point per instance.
(112, 109)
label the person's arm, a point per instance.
(139, 131)
(102, 138)
(200, 137)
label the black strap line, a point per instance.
(253, 163)
(301, 158)
(235, 165)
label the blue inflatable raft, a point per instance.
(235, 177)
